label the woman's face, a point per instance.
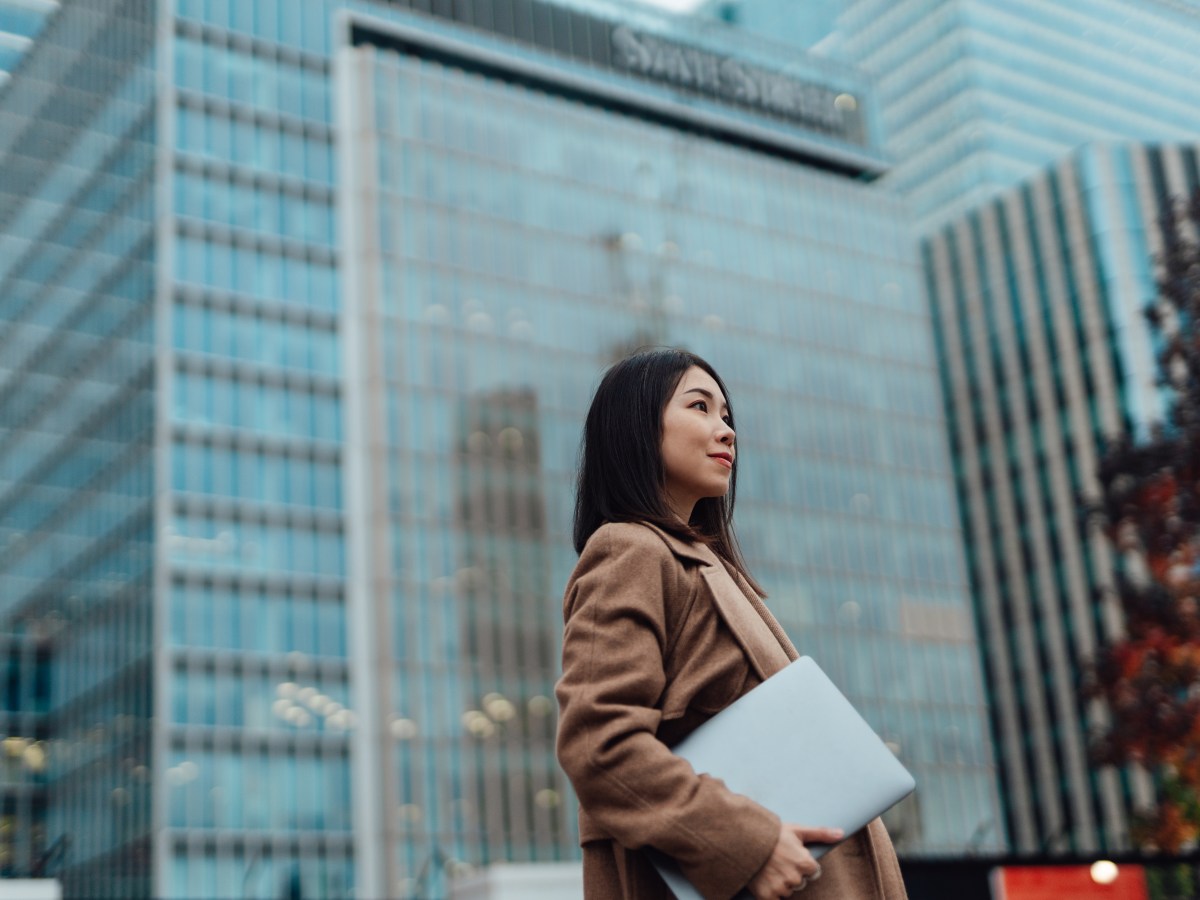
(697, 443)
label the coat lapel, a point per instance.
(751, 623)
(761, 646)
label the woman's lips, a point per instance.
(723, 460)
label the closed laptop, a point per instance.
(795, 745)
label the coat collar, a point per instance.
(685, 549)
(742, 609)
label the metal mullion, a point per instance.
(246, 177)
(250, 44)
(250, 374)
(327, 590)
(253, 307)
(276, 121)
(246, 511)
(213, 232)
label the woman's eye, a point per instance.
(700, 405)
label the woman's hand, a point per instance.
(790, 866)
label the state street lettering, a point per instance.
(727, 78)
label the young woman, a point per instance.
(665, 628)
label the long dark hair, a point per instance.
(621, 477)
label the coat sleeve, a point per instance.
(627, 780)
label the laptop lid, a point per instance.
(797, 746)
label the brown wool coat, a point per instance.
(660, 635)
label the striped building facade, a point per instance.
(1037, 298)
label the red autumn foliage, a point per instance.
(1150, 510)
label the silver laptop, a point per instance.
(797, 746)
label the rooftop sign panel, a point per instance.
(739, 83)
(641, 67)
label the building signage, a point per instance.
(734, 81)
(663, 60)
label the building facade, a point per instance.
(20, 23)
(1039, 239)
(979, 95)
(301, 306)
(1038, 261)
(1038, 299)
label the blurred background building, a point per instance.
(979, 95)
(20, 23)
(1037, 299)
(301, 305)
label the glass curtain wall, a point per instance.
(518, 243)
(77, 133)
(979, 95)
(256, 783)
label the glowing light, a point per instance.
(1104, 871)
(35, 757)
(478, 724)
(404, 729)
(540, 706)
(500, 708)
(15, 746)
(511, 439)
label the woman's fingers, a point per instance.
(810, 835)
(789, 867)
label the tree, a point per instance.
(1150, 510)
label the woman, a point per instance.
(664, 628)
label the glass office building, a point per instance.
(804, 25)
(301, 305)
(20, 23)
(77, 417)
(1037, 261)
(978, 95)
(1038, 299)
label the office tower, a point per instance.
(23, 700)
(77, 419)
(803, 25)
(979, 98)
(1037, 299)
(301, 305)
(20, 23)
(978, 95)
